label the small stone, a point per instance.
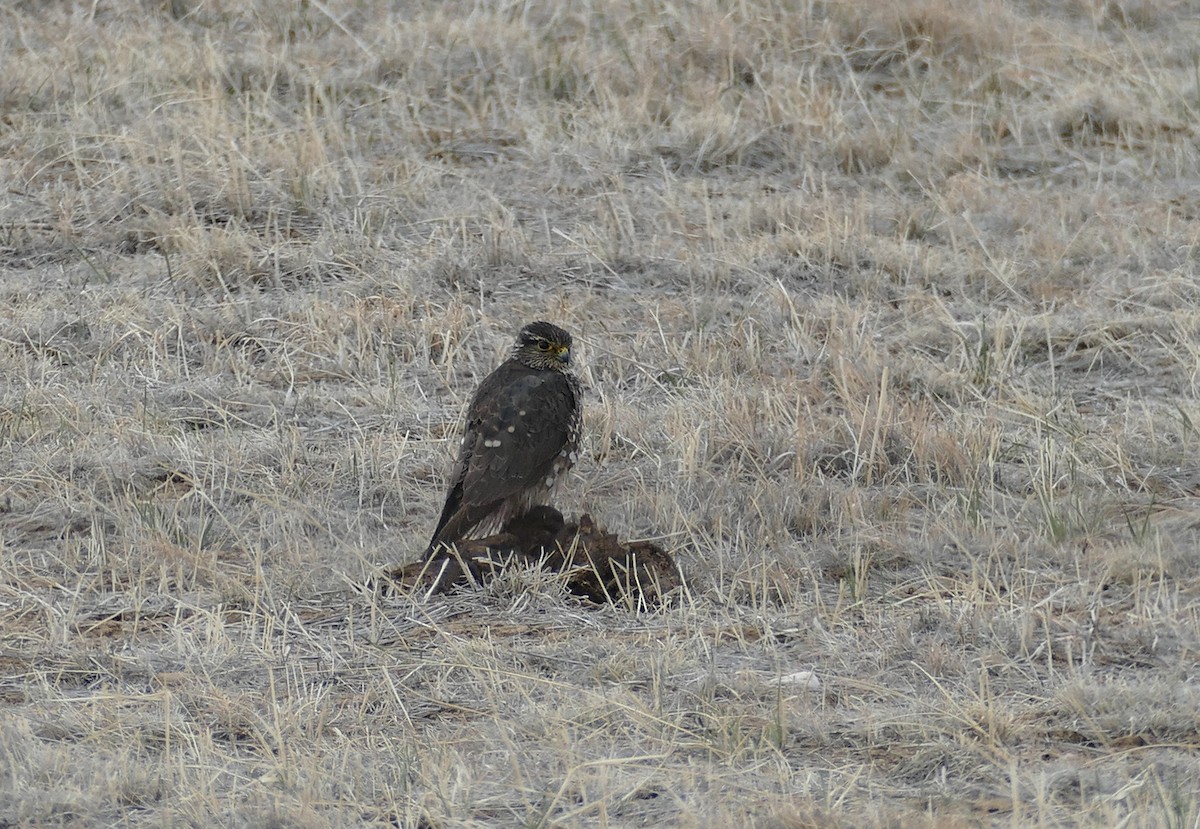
(804, 679)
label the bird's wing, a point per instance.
(515, 429)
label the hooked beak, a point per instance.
(564, 354)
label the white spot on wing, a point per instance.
(549, 482)
(512, 429)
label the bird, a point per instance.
(520, 437)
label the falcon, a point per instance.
(520, 437)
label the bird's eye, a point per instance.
(543, 345)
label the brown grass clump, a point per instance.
(887, 322)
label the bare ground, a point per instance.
(889, 327)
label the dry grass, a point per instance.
(889, 316)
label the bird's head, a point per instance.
(542, 345)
